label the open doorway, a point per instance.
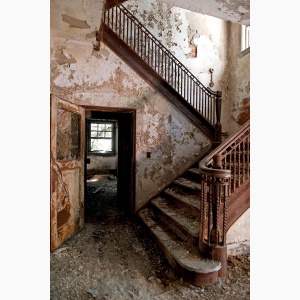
(109, 164)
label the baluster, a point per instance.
(209, 210)
(119, 20)
(134, 37)
(239, 165)
(234, 169)
(123, 26)
(197, 98)
(151, 52)
(138, 40)
(176, 77)
(243, 161)
(248, 157)
(115, 19)
(194, 94)
(127, 32)
(155, 57)
(189, 88)
(145, 52)
(205, 106)
(167, 68)
(104, 16)
(210, 108)
(183, 83)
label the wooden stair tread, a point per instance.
(188, 222)
(185, 255)
(194, 171)
(188, 184)
(185, 198)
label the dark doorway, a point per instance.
(113, 187)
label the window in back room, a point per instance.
(101, 137)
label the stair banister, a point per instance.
(205, 101)
(222, 172)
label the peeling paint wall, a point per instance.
(237, 11)
(238, 80)
(99, 78)
(198, 41)
(238, 236)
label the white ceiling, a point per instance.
(236, 11)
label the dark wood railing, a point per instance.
(223, 172)
(205, 101)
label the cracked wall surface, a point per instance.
(237, 11)
(181, 31)
(238, 81)
(85, 76)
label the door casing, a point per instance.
(126, 152)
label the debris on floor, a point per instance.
(114, 258)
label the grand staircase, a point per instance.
(189, 219)
(173, 220)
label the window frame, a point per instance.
(245, 37)
(91, 121)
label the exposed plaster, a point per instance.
(73, 22)
(237, 11)
(100, 78)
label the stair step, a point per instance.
(188, 184)
(187, 200)
(183, 257)
(192, 174)
(194, 171)
(182, 222)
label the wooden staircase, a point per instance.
(153, 62)
(173, 220)
(176, 217)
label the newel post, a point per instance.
(218, 126)
(219, 252)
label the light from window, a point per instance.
(101, 137)
(245, 37)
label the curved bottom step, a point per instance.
(184, 258)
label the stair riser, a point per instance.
(193, 177)
(187, 189)
(197, 279)
(191, 209)
(178, 229)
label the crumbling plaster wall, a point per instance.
(237, 11)
(238, 235)
(182, 31)
(99, 78)
(238, 80)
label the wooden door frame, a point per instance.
(130, 205)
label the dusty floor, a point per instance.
(113, 258)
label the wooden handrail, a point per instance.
(222, 171)
(205, 101)
(206, 165)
